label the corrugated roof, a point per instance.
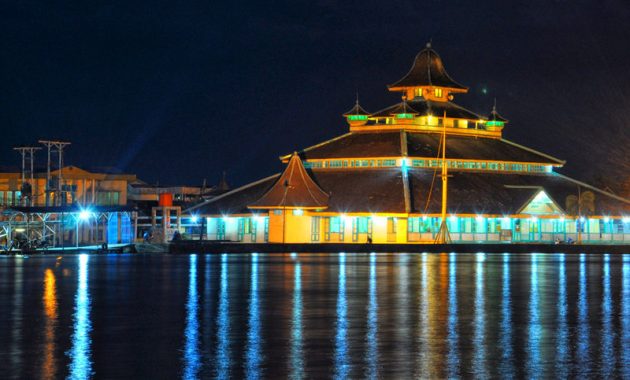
(382, 190)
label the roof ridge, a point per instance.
(286, 156)
(247, 186)
(614, 196)
(534, 151)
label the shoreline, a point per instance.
(186, 247)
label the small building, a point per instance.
(86, 208)
(380, 182)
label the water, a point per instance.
(317, 316)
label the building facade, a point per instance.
(77, 208)
(380, 182)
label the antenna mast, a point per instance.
(59, 146)
(28, 160)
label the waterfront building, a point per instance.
(78, 207)
(380, 181)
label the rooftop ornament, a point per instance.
(357, 116)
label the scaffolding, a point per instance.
(32, 228)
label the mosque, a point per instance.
(412, 169)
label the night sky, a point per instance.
(177, 92)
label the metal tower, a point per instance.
(28, 160)
(59, 146)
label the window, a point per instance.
(417, 92)
(315, 228)
(107, 198)
(438, 92)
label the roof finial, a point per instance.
(357, 102)
(494, 107)
(429, 43)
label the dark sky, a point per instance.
(177, 92)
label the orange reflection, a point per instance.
(49, 367)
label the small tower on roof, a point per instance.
(356, 116)
(428, 78)
(403, 113)
(495, 121)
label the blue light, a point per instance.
(85, 214)
(453, 335)
(583, 334)
(506, 336)
(80, 363)
(253, 357)
(194, 219)
(608, 351)
(563, 330)
(297, 359)
(371, 356)
(625, 310)
(192, 363)
(223, 324)
(341, 344)
(535, 332)
(479, 336)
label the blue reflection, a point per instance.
(191, 334)
(16, 317)
(479, 338)
(297, 360)
(372, 324)
(453, 336)
(583, 328)
(207, 306)
(533, 347)
(341, 348)
(562, 341)
(253, 355)
(625, 314)
(608, 335)
(223, 324)
(80, 364)
(507, 362)
(424, 366)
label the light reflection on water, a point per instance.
(252, 356)
(81, 364)
(341, 347)
(453, 337)
(371, 338)
(49, 367)
(562, 349)
(507, 360)
(297, 360)
(307, 315)
(223, 324)
(533, 346)
(191, 348)
(607, 333)
(583, 354)
(625, 315)
(479, 339)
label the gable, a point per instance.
(541, 204)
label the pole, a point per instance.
(48, 178)
(443, 236)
